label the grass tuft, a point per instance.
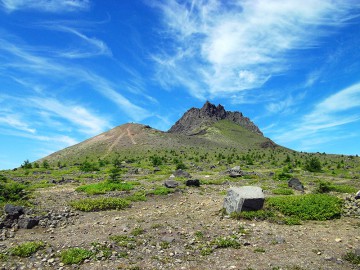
(352, 258)
(100, 204)
(103, 187)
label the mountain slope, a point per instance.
(205, 129)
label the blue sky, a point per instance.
(71, 69)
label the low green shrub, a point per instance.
(324, 187)
(100, 204)
(283, 176)
(103, 249)
(283, 191)
(11, 191)
(160, 190)
(344, 189)
(103, 187)
(26, 249)
(137, 231)
(291, 220)
(226, 242)
(307, 207)
(124, 241)
(75, 255)
(136, 197)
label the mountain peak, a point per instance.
(211, 110)
(195, 120)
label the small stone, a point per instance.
(338, 240)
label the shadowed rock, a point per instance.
(28, 223)
(181, 173)
(296, 184)
(13, 212)
(170, 183)
(193, 183)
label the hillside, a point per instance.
(206, 129)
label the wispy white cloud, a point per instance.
(89, 47)
(106, 88)
(286, 105)
(79, 116)
(54, 6)
(223, 48)
(14, 121)
(25, 61)
(329, 115)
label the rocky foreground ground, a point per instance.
(182, 230)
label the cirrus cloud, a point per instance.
(222, 48)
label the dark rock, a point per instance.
(171, 184)
(181, 173)
(296, 184)
(28, 223)
(156, 169)
(7, 223)
(193, 183)
(13, 212)
(195, 121)
(271, 174)
(246, 198)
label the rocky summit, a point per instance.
(195, 121)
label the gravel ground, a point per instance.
(174, 232)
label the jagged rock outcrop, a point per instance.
(195, 120)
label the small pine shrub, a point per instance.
(313, 165)
(87, 166)
(26, 165)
